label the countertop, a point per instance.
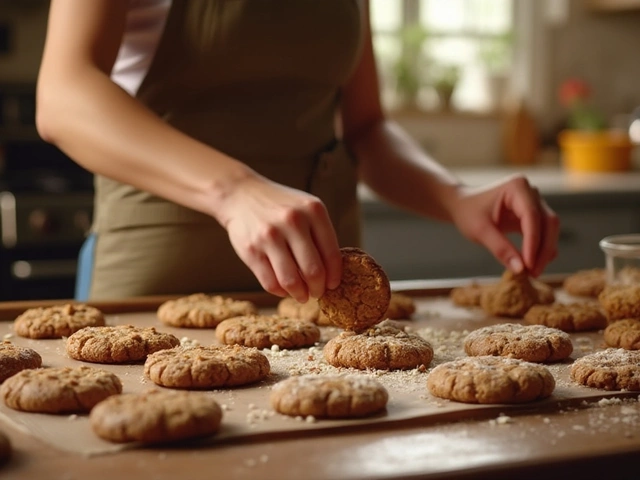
(558, 186)
(590, 440)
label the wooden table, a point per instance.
(598, 440)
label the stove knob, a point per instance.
(41, 222)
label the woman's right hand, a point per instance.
(284, 236)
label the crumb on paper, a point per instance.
(501, 419)
(187, 342)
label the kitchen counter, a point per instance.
(589, 206)
(555, 184)
(587, 440)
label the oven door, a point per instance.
(38, 274)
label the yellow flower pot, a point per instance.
(597, 151)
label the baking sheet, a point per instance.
(247, 414)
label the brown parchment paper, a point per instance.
(247, 413)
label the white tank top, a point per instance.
(144, 26)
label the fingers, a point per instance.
(526, 207)
(548, 249)
(295, 253)
(501, 248)
(326, 241)
(286, 270)
(314, 247)
(263, 271)
(539, 226)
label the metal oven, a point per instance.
(46, 206)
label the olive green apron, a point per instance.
(260, 81)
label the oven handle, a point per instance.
(41, 269)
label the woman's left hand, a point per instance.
(487, 214)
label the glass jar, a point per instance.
(622, 259)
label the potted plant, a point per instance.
(495, 58)
(444, 79)
(587, 144)
(409, 70)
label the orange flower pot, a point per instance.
(597, 151)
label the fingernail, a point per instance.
(515, 265)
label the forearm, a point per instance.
(112, 134)
(399, 171)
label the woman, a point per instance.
(227, 138)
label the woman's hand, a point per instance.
(284, 236)
(486, 214)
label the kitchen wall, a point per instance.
(599, 47)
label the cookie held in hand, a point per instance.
(362, 298)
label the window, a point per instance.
(435, 54)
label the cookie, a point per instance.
(59, 390)
(118, 344)
(156, 416)
(545, 292)
(5, 448)
(532, 343)
(610, 369)
(491, 380)
(568, 317)
(623, 334)
(401, 307)
(202, 311)
(585, 283)
(206, 367)
(14, 358)
(363, 296)
(57, 321)
(329, 396)
(310, 311)
(511, 297)
(264, 331)
(467, 295)
(382, 347)
(620, 301)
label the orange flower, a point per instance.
(573, 90)
(574, 95)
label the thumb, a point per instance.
(501, 248)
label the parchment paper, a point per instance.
(247, 414)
